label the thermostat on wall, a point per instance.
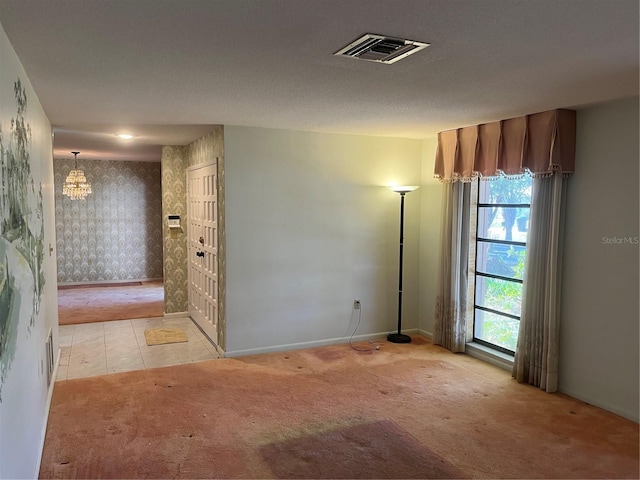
(174, 221)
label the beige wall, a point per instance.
(310, 228)
(116, 232)
(599, 335)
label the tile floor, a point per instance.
(119, 346)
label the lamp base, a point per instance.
(398, 338)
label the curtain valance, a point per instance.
(540, 144)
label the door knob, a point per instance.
(201, 240)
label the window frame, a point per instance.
(477, 239)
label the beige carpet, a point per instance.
(98, 285)
(405, 411)
(90, 303)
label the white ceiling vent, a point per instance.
(378, 48)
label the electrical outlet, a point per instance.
(356, 304)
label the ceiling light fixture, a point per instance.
(76, 186)
(124, 136)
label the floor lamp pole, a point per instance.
(399, 337)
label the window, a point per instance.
(501, 245)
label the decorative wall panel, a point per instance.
(22, 277)
(28, 296)
(116, 232)
(174, 202)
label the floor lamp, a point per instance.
(400, 337)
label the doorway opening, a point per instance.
(109, 244)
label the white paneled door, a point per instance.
(202, 213)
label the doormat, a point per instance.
(162, 336)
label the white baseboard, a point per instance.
(425, 333)
(633, 416)
(176, 315)
(312, 344)
(409, 331)
(43, 433)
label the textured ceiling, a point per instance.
(143, 65)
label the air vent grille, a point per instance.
(48, 351)
(378, 48)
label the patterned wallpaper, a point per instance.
(174, 202)
(116, 232)
(202, 150)
(175, 161)
(208, 147)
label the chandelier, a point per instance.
(76, 186)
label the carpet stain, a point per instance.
(328, 354)
(358, 451)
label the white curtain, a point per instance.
(451, 302)
(536, 358)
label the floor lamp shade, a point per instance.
(399, 337)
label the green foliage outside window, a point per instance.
(500, 330)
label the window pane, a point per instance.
(498, 259)
(496, 329)
(499, 295)
(503, 223)
(503, 215)
(506, 190)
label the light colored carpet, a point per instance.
(404, 411)
(163, 336)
